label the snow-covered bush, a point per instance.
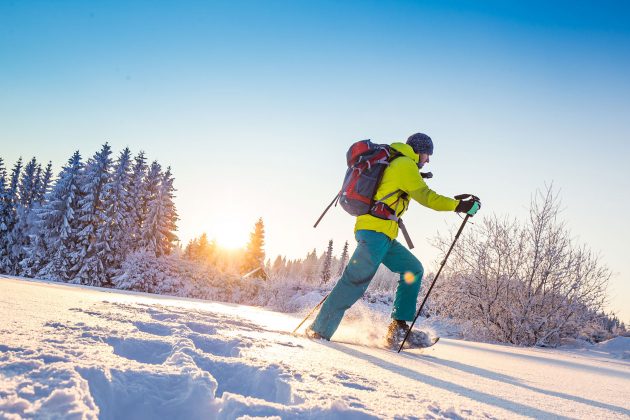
(524, 283)
(142, 271)
(176, 275)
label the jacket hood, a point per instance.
(406, 150)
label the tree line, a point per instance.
(312, 268)
(82, 225)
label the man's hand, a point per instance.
(469, 206)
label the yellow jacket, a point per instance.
(403, 175)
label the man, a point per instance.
(377, 243)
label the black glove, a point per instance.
(468, 204)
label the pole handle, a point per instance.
(467, 197)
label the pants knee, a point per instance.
(418, 270)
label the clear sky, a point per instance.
(254, 103)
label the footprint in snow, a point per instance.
(85, 311)
(289, 344)
(160, 316)
(49, 358)
(4, 349)
(353, 382)
(357, 386)
(218, 347)
(144, 351)
(153, 328)
(269, 383)
(201, 328)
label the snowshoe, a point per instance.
(314, 335)
(417, 339)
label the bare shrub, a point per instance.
(525, 283)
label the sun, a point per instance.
(229, 235)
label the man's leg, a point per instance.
(400, 260)
(371, 248)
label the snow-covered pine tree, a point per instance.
(31, 261)
(327, 265)
(4, 208)
(289, 269)
(149, 191)
(310, 266)
(203, 251)
(343, 260)
(278, 267)
(29, 186)
(88, 254)
(8, 218)
(142, 271)
(200, 249)
(111, 236)
(137, 200)
(298, 268)
(3, 177)
(190, 252)
(20, 235)
(168, 222)
(254, 252)
(3, 184)
(43, 185)
(48, 255)
(35, 186)
(158, 230)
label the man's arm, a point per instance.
(414, 185)
(429, 198)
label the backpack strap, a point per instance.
(382, 200)
(383, 211)
(405, 233)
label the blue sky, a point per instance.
(254, 104)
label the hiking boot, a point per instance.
(314, 335)
(417, 339)
(396, 333)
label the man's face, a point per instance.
(424, 158)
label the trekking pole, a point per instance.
(327, 208)
(434, 280)
(309, 314)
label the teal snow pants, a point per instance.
(373, 248)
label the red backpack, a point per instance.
(366, 164)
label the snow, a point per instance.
(83, 352)
(617, 348)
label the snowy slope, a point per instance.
(86, 352)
